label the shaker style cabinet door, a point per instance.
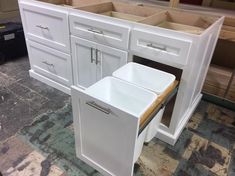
(109, 60)
(92, 61)
(84, 62)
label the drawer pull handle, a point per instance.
(48, 64)
(95, 31)
(98, 107)
(42, 27)
(163, 48)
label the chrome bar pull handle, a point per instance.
(163, 48)
(95, 31)
(96, 56)
(98, 107)
(48, 64)
(91, 55)
(42, 27)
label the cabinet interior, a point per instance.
(169, 19)
(121, 10)
(73, 3)
(166, 119)
(180, 21)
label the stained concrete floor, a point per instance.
(37, 138)
(23, 98)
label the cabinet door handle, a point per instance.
(42, 27)
(91, 55)
(163, 48)
(98, 107)
(95, 31)
(96, 56)
(48, 64)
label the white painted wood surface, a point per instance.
(99, 30)
(46, 25)
(50, 63)
(188, 52)
(92, 61)
(108, 127)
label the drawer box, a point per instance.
(160, 48)
(50, 63)
(48, 26)
(100, 31)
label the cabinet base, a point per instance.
(172, 138)
(50, 82)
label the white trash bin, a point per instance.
(149, 78)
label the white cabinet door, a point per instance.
(84, 62)
(109, 60)
(92, 61)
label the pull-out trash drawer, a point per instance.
(152, 79)
(112, 119)
(108, 122)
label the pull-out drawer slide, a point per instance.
(160, 103)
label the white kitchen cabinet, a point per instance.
(99, 36)
(110, 31)
(92, 61)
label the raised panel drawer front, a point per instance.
(100, 31)
(159, 47)
(46, 25)
(50, 63)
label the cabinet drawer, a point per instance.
(46, 25)
(104, 32)
(160, 48)
(50, 63)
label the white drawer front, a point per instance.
(50, 63)
(104, 140)
(46, 25)
(103, 32)
(161, 48)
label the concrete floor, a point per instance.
(23, 98)
(36, 135)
